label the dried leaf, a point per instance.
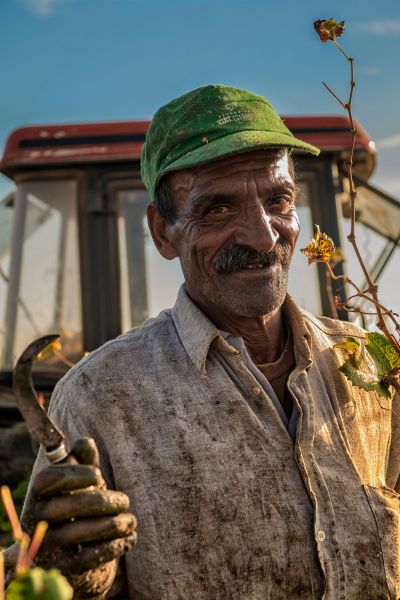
(328, 29)
(320, 249)
(352, 348)
(336, 258)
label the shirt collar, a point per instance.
(197, 332)
(301, 334)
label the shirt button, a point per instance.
(257, 391)
(321, 535)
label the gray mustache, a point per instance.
(237, 257)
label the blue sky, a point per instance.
(81, 60)
(92, 60)
(88, 60)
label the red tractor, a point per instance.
(76, 257)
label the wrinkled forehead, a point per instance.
(270, 165)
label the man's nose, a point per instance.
(257, 231)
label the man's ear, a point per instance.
(161, 232)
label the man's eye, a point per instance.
(279, 201)
(219, 209)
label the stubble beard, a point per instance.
(253, 299)
(249, 296)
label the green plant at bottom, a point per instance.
(38, 584)
(29, 583)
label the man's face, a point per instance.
(235, 231)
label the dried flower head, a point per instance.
(328, 29)
(320, 249)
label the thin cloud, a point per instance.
(381, 27)
(43, 8)
(370, 71)
(393, 141)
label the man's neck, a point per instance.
(264, 336)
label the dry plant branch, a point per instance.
(321, 248)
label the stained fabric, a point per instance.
(273, 378)
(229, 506)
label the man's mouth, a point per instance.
(239, 259)
(254, 266)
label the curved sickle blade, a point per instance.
(38, 422)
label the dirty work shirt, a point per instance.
(228, 506)
(277, 374)
(272, 377)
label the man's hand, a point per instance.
(89, 526)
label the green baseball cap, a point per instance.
(208, 123)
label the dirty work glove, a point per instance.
(89, 525)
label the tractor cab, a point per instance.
(76, 257)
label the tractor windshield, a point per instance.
(39, 272)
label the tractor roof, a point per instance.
(61, 145)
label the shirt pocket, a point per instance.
(385, 506)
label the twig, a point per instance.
(37, 539)
(372, 288)
(342, 104)
(63, 358)
(22, 559)
(9, 507)
(357, 309)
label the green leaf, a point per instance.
(367, 365)
(363, 380)
(38, 584)
(382, 353)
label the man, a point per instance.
(254, 468)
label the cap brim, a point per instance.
(236, 143)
